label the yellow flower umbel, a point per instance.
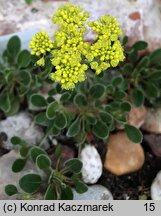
(107, 50)
(69, 46)
(70, 54)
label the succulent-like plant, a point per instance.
(19, 76)
(142, 71)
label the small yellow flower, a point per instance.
(40, 44)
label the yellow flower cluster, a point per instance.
(70, 54)
(69, 46)
(40, 44)
(107, 50)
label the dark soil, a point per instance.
(136, 185)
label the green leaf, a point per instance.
(155, 76)
(74, 128)
(133, 133)
(80, 100)
(60, 121)
(5, 104)
(35, 152)
(29, 1)
(127, 68)
(140, 45)
(13, 46)
(155, 57)
(100, 130)
(106, 117)
(144, 62)
(18, 165)
(125, 40)
(119, 95)
(65, 97)
(74, 165)
(97, 91)
(137, 97)
(41, 119)
(55, 131)
(10, 190)
(51, 193)
(67, 193)
(51, 110)
(91, 118)
(133, 56)
(38, 100)
(117, 81)
(24, 151)
(151, 90)
(30, 183)
(15, 140)
(80, 187)
(15, 106)
(25, 78)
(43, 161)
(126, 107)
(24, 59)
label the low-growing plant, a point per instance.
(88, 96)
(19, 76)
(56, 182)
(142, 71)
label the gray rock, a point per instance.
(9, 177)
(156, 187)
(152, 122)
(23, 126)
(95, 192)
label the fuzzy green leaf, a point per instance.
(133, 133)
(74, 165)
(41, 119)
(137, 97)
(80, 187)
(24, 151)
(35, 152)
(80, 100)
(30, 183)
(24, 78)
(10, 190)
(60, 121)
(97, 90)
(140, 45)
(51, 110)
(38, 100)
(14, 46)
(74, 128)
(43, 161)
(151, 90)
(65, 97)
(100, 130)
(18, 165)
(24, 59)
(126, 107)
(5, 104)
(155, 57)
(51, 193)
(67, 193)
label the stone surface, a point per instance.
(92, 164)
(154, 141)
(23, 126)
(9, 177)
(123, 156)
(139, 18)
(95, 192)
(152, 121)
(137, 116)
(156, 187)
